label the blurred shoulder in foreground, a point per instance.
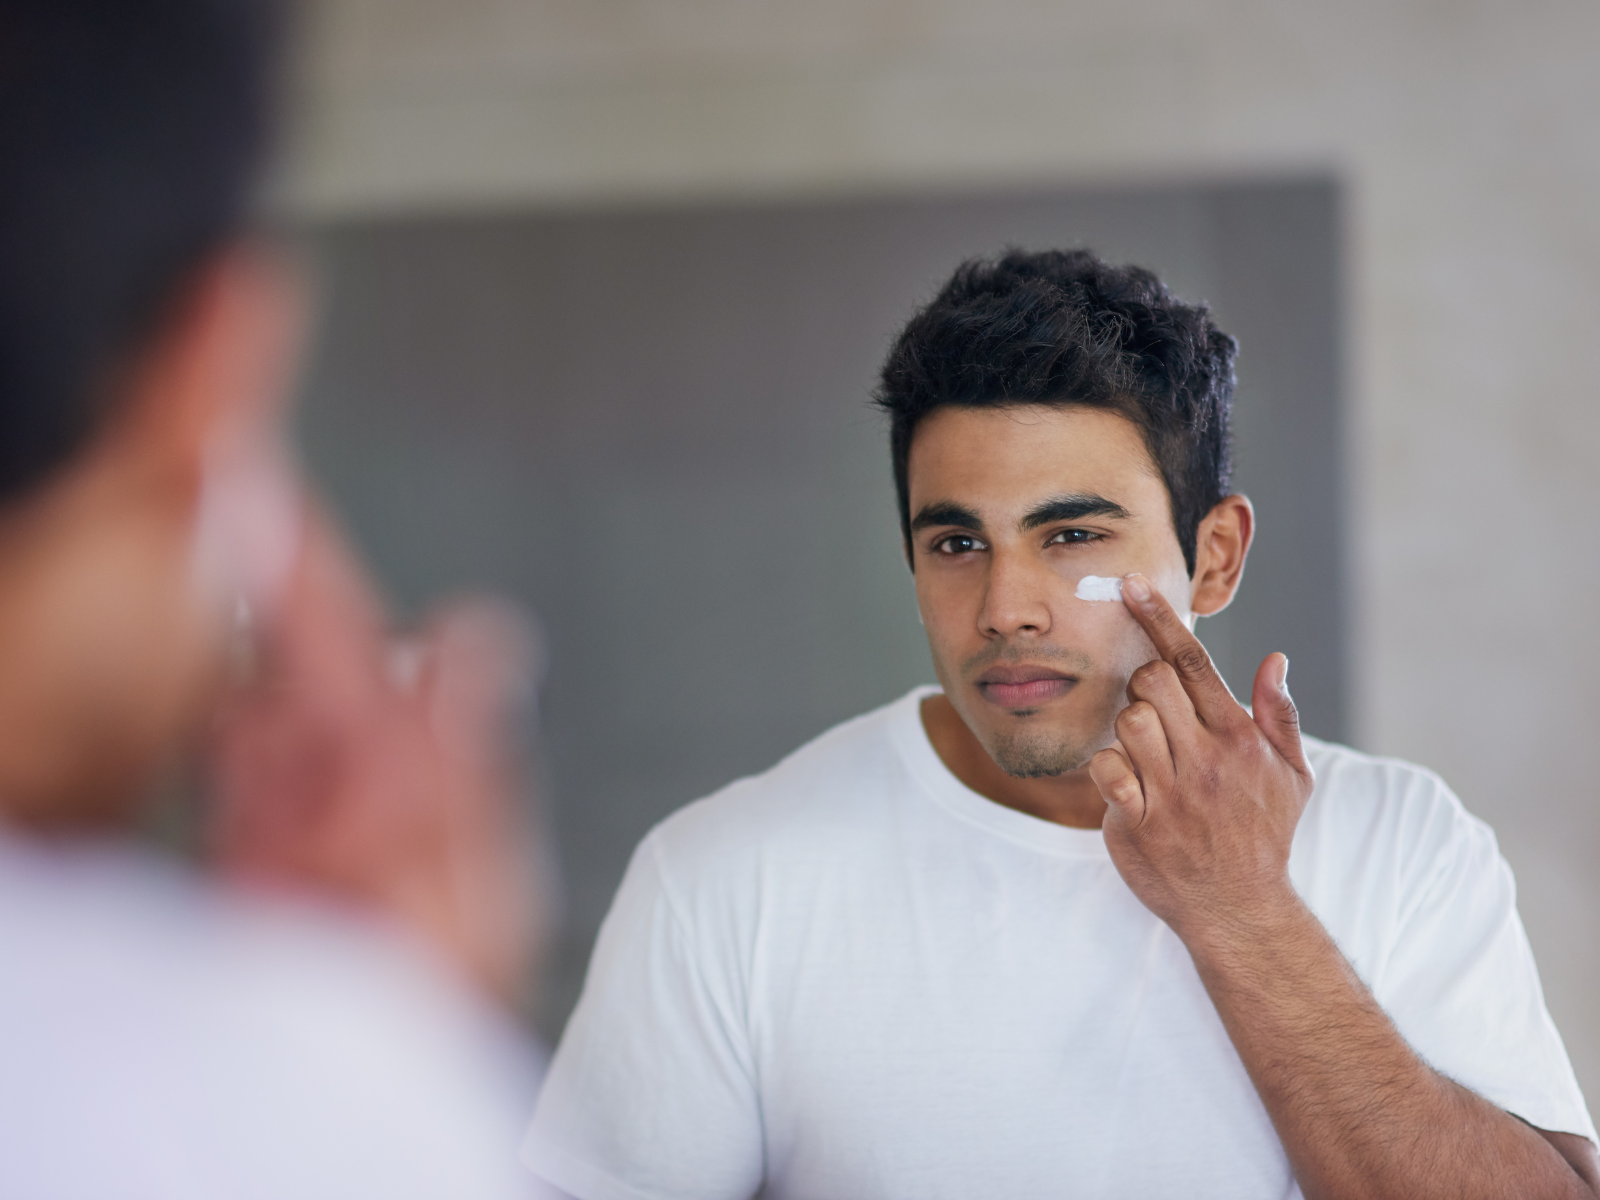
(162, 1038)
(316, 1010)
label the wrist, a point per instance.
(1246, 928)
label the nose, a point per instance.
(1016, 602)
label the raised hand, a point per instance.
(1204, 798)
(380, 771)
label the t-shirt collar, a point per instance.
(956, 798)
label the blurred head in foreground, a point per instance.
(144, 350)
(162, 1035)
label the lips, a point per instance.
(1023, 687)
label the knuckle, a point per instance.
(1126, 789)
(1291, 714)
(1150, 674)
(1107, 765)
(1136, 716)
(1192, 660)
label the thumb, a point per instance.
(1274, 710)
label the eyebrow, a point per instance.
(946, 512)
(1057, 508)
(1072, 508)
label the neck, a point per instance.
(1070, 798)
(100, 674)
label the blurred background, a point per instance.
(606, 283)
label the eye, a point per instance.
(1072, 537)
(958, 543)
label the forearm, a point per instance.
(1359, 1113)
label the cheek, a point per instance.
(1175, 586)
(1132, 650)
(951, 635)
(1107, 560)
(950, 623)
(946, 600)
(1107, 633)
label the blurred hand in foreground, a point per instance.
(381, 771)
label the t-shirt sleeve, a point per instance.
(1460, 981)
(651, 1093)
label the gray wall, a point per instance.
(650, 426)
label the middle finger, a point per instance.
(1158, 685)
(1140, 733)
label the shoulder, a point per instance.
(821, 784)
(831, 793)
(312, 1035)
(1363, 792)
(255, 975)
(1378, 832)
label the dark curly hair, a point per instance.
(130, 135)
(1063, 327)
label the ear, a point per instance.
(1221, 544)
(219, 369)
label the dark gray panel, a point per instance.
(651, 427)
(1278, 264)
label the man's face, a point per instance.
(1010, 508)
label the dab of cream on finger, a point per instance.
(1100, 587)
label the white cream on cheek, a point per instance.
(248, 524)
(1100, 587)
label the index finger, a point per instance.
(324, 638)
(1180, 648)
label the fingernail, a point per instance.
(1283, 675)
(1136, 586)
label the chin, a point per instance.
(1037, 753)
(1027, 763)
(1038, 743)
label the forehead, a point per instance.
(1006, 456)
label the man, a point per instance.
(163, 1035)
(1076, 923)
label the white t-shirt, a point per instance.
(852, 977)
(163, 1040)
